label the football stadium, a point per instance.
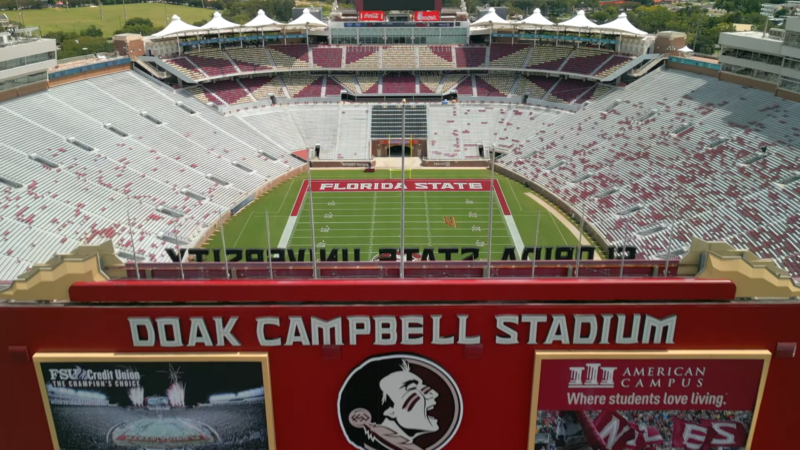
(401, 226)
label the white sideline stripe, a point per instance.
(446, 236)
(514, 232)
(287, 232)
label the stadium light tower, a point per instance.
(535, 245)
(269, 248)
(133, 242)
(224, 247)
(311, 215)
(403, 195)
(491, 215)
(580, 241)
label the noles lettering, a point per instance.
(426, 16)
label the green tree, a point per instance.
(782, 12)
(138, 25)
(242, 11)
(75, 47)
(92, 31)
(605, 15)
(652, 18)
(61, 36)
(743, 6)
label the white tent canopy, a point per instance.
(536, 19)
(579, 21)
(261, 20)
(176, 26)
(622, 24)
(217, 22)
(686, 49)
(307, 19)
(490, 17)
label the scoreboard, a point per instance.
(400, 5)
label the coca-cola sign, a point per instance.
(426, 16)
(371, 16)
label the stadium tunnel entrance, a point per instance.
(397, 150)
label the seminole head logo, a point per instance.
(399, 402)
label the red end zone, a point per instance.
(480, 185)
(417, 185)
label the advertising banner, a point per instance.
(646, 400)
(124, 401)
(371, 16)
(426, 16)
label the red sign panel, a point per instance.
(634, 403)
(474, 360)
(478, 185)
(371, 16)
(426, 16)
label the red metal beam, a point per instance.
(395, 290)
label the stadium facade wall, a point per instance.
(23, 90)
(228, 110)
(494, 379)
(563, 205)
(382, 150)
(342, 164)
(454, 163)
(788, 95)
(89, 74)
(672, 64)
(749, 82)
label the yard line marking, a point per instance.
(372, 228)
(287, 194)
(516, 198)
(563, 239)
(243, 228)
(427, 213)
(407, 208)
(329, 238)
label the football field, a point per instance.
(353, 209)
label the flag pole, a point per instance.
(580, 242)
(269, 249)
(535, 245)
(669, 247)
(180, 255)
(624, 253)
(403, 196)
(224, 247)
(311, 212)
(133, 242)
(491, 215)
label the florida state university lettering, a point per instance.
(399, 402)
(511, 329)
(563, 253)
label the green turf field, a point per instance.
(371, 220)
(76, 19)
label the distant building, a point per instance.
(129, 44)
(24, 61)
(769, 9)
(764, 60)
